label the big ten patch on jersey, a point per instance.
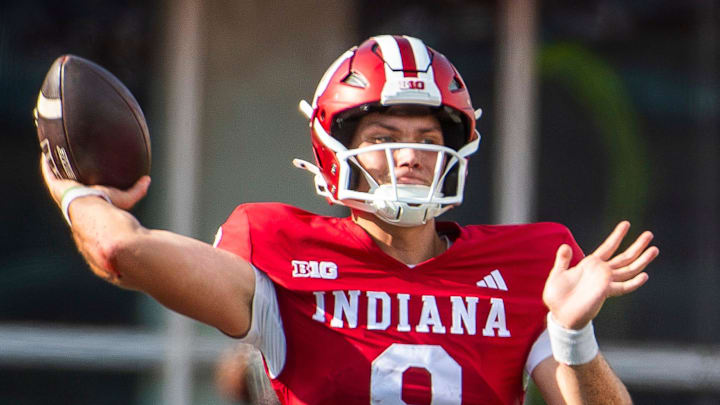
(314, 269)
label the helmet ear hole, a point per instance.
(322, 115)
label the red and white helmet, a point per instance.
(385, 71)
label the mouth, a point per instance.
(412, 180)
(419, 177)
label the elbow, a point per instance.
(109, 259)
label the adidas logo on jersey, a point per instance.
(493, 281)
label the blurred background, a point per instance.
(594, 113)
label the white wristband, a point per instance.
(76, 192)
(569, 346)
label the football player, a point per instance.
(388, 305)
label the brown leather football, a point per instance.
(91, 128)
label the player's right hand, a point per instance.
(123, 199)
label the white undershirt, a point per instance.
(266, 328)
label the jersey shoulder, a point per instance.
(538, 229)
(522, 254)
(252, 220)
(272, 235)
(270, 213)
(539, 237)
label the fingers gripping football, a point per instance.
(123, 199)
(576, 295)
(56, 186)
(126, 199)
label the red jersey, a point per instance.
(361, 327)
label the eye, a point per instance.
(432, 139)
(381, 138)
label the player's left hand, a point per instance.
(575, 295)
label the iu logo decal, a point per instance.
(314, 269)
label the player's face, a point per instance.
(411, 166)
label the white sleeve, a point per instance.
(540, 351)
(266, 328)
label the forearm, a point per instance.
(577, 373)
(591, 383)
(186, 275)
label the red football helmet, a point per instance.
(385, 71)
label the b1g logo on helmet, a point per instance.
(314, 269)
(412, 84)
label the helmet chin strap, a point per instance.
(401, 213)
(393, 212)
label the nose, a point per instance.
(407, 157)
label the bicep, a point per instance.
(190, 277)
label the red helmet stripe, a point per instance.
(407, 55)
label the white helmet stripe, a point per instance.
(390, 52)
(422, 60)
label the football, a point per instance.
(90, 127)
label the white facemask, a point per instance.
(398, 204)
